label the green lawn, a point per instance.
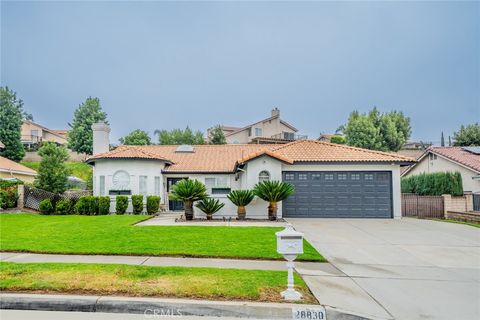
(203, 283)
(116, 235)
(78, 169)
(473, 224)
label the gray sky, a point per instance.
(166, 65)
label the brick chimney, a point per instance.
(101, 137)
(275, 112)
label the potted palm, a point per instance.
(188, 191)
(241, 198)
(273, 192)
(210, 206)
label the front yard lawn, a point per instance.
(473, 224)
(202, 283)
(117, 235)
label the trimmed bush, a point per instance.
(137, 203)
(121, 204)
(104, 205)
(8, 198)
(433, 184)
(93, 205)
(153, 204)
(82, 206)
(46, 206)
(63, 207)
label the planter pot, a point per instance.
(241, 212)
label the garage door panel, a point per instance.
(339, 194)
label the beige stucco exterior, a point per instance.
(441, 164)
(269, 128)
(34, 133)
(27, 178)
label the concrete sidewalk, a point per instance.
(303, 268)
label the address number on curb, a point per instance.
(317, 313)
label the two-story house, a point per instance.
(269, 130)
(33, 133)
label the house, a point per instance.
(271, 130)
(33, 134)
(331, 180)
(12, 170)
(465, 160)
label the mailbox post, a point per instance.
(290, 245)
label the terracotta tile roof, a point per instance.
(459, 155)
(7, 165)
(320, 151)
(224, 158)
(265, 152)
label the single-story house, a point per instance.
(10, 169)
(330, 180)
(465, 160)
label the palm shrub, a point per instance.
(121, 204)
(210, 206)
(153, 204)
(273, 192)
(241, 198)
(188, 191)
(137, 203)
(103, 205)
(46, 206)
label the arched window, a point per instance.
(263, 176)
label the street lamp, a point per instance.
(290, 245)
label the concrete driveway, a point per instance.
(400, 269)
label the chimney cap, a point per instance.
(101, 126)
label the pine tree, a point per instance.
(52, 173)
(11, 110)
(217, 136)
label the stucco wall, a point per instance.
(269, 129)
(443, 165)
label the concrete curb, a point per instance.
(172, 307)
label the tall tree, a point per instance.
(179, 136)
(467, 135)
(442, 140)
(80, 136)
(11, 110)
(377, 131)
(136, 137)
(52, 172)
(217, 136)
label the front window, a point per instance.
(217, 185)
(143, 185)
(157, 186)
(263, 176)
(102, 186)
(258, 132)
(34, 133)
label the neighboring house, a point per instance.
(465, 160)
(10, 169)
(331, 180)
(269, 130)
(33, 133)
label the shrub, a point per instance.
(433, 184)
(104, 205)
(241, 198)
(188, 191)
(121, 204)
(338, 139)
(8, 198)
(210, 206)
(273, 192)
(137, 203)
(46, 206)
(92, 205)
(153, 204)
(63, 207)
(82, 206)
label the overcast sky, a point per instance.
(166, 65)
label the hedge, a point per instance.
(121, 204)
(8, 193)
(87, 205)
(46, 206)
(104, 205)
(433, 184)
(153, 204)
(63, 207)
(137, 203)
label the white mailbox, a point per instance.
(289, 241)
(290, 245)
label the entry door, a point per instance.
(174, 205)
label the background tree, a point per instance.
(136, 137)
(11, 110)
(80, 136)
(27, 116)
(217, 136)
(467, 136)
(179, 136)
(52, 173)
(442, 140)
(377, 131)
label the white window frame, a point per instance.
(258, 132)
(264, 175)
(220, 181)
(143, 185)
(157, 185)
(101, 185)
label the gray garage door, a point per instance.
(353, 194)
